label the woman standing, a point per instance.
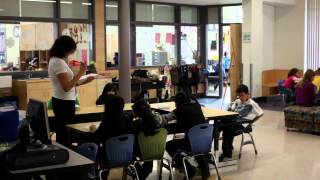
(63, 82)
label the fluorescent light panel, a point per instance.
(46, 1)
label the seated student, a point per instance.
(294, 76)
(305, 90)
(188, 113)
(316, 80)
(248, 110)
(109, 89)
(114, 123)
(146, 122)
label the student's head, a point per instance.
(181, 99)
(317, 72)
(142, 110)
(225, 54)
(140, 107)
(109, 89)
(114, 104)
(309, 75)
(63, 47)
(243, 92)
(293, 72)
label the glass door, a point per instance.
(213, 61)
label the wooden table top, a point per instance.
(209, 113)
(92, 110)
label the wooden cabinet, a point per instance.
(87, 94)
(39, 57)
(40, 89)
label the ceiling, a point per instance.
(199, 2)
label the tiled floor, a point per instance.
(282, 155)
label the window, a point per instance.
(154, 13)
(232, 14)
(112, 45)
(155, 45)
(76, 9)
(25, 45)
(111, 11)
(82, 34)
(28, 8)
(189, 45)
(213, 15)
(189, 15)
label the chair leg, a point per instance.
(215, 166)
(171, 170)
(100, 173)
(254, 145)
(135, 171)
(185, 168)
(160, 169)
(241, 145)
(124, 173)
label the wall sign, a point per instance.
(246, 37)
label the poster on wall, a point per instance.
(44, 37)
(80, 34)
(28, 37)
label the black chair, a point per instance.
(248, 130)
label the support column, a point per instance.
(99, 34)
(124, 50)
(252, 51)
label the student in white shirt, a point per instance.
(248, 110)
(63, 82)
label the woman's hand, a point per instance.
(89, 79)
(83, 69)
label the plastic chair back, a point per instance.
(9, 122)
(153, 147)
(200, 137)
(119, 150)
(89, 150)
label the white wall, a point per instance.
(289, 36)
(268, 37)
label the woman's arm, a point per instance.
(69, 84)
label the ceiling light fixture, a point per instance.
(86, 4)
(65, 2)
(110, 5)
(46, 1)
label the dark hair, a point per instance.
(293, 72)
(317, 72)
(62, 46)
(307, 77)
(148, 121)
(242, 89)
(114, 105)
(108, 88)
(181, 99)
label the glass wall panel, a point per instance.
(155, 45)
(189, 45)
(213, 15)
(75, 9)
(25, 45)
(154, 13)
(111, 10)
(39, 8)
(232, 14)
(189, 15)
(112, 45)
